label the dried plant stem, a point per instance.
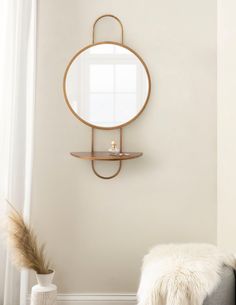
(27, 252)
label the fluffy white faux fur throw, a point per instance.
(181, 274)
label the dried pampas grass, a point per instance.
(26, 250)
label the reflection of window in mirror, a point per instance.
(107, 85)
(114, 85)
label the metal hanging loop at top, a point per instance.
(112, 16)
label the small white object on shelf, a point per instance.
(113, 150)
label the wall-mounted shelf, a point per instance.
(106, 156)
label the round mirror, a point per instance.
(106, 85)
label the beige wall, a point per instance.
(98, 231)
(227, 125)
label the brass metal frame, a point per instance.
(93, 162)
(99, 127)
(95, 126)
(112, 16)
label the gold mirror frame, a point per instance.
(77, 55)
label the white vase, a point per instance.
(45, 293)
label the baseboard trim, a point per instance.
(96, 299)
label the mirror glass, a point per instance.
(106, 85)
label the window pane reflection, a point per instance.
(107, 85)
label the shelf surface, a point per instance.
(106, 156)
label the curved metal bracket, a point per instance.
(93, 162)
(106, 177)
(112, 16)
(122, 42)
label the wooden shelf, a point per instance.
(106, 156)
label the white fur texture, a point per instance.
(181, 274)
